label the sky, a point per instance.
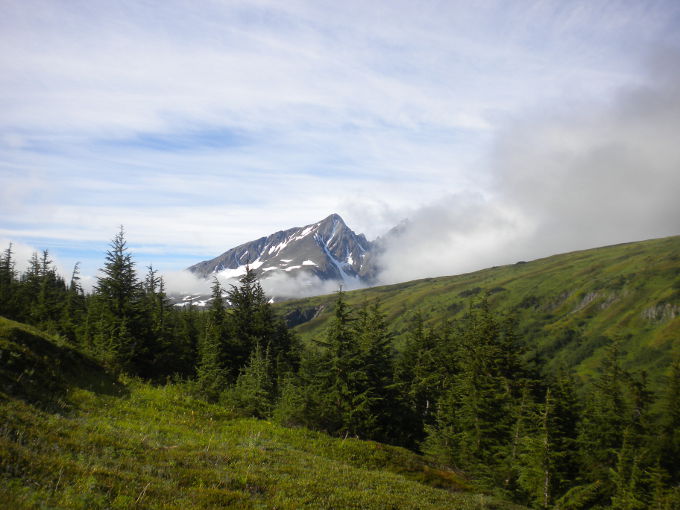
(501, 131)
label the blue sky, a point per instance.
(201, 125)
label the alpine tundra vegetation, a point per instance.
(461, 392)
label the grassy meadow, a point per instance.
(74, 436)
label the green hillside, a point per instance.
(72, 436)
(568, 306)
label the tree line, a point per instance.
(462, 392)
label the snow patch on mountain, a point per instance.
(237, 271)
(349, 282)
(306, 232)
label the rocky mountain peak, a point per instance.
(328, 249)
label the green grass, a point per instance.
(88, 441)
(568, 306)
(40, 369)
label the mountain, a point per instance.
(568, 307)
(328, 249)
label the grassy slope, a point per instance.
(73, 437)
(568, 306)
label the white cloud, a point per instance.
(184, 282)
(278, 284)
(22, 254)
(458, 234)
(564, 180)
(296, 286)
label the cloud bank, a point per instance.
(574, 177)
(278, 285)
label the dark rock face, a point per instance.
(328, 249)
(302, 315)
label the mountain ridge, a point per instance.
(327, 249)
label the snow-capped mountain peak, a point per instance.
(328, 249)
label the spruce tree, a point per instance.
(304, 395)
(627, 475)
(418, 381)
(404, 365)
(295, 400)
(74, 310)
(641, 401)
(162, 356)
(187, 337)
(29, 290)
(252, 321)
(474, 422)
(253, 392)
(536, 460)
(484, 416)
(524, 412)
(212, 371)
(669, 437)
(564, 426)
(51, 295)
(246, 329)
(347, 393)
(119, 293)
(604, 419)
(375, 344)
(40, 294)
(8, 283)
(547, 461)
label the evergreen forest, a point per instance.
(461, 393)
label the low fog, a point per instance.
(575, 178)
(280, 285)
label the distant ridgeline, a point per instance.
(529, 381)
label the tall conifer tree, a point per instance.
(669, 440)
(212, 370)
(8, 283)
(347, 382)
(74, 310)
(605, 418)
(118, 293)
(253, 392)
(474, 420)
(253, 322)
(375, 344)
